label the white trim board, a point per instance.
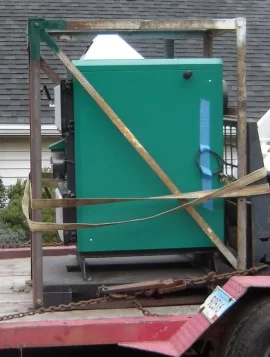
(24, 130)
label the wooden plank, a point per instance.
(89, 315)
(14, 271)
(12, 283)
(115, 25)
(13, 274)
(46, 68)
(14, 267)
(14, 302)
(15, 307)
(15, 296)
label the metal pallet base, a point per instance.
(65, 282)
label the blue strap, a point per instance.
(205, 158)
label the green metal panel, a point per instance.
(162, 109)
(59, 145)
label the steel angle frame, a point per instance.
(40, 29)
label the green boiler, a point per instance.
(174, 107)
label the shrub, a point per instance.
(3, 194)
(7, 236)
(17, 190)
(12, 216)
(13, 220)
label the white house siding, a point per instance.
(15, 157)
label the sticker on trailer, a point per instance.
(216, 304)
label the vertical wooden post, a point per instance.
(241, 140)
(35, 157)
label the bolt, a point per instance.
(38, 301)
(36, 24)
(187, 74)
(68, 84)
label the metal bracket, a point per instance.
(83, 265)
(67, 107)
(69, 214)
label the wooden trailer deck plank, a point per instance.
(15, 267)
(16, 296)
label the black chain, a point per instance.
(143, 309)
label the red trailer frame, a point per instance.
(168, 335)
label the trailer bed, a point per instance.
(16, 296)
(122, 327)
(172, 331)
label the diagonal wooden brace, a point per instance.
(138, 147)
(46, 68)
